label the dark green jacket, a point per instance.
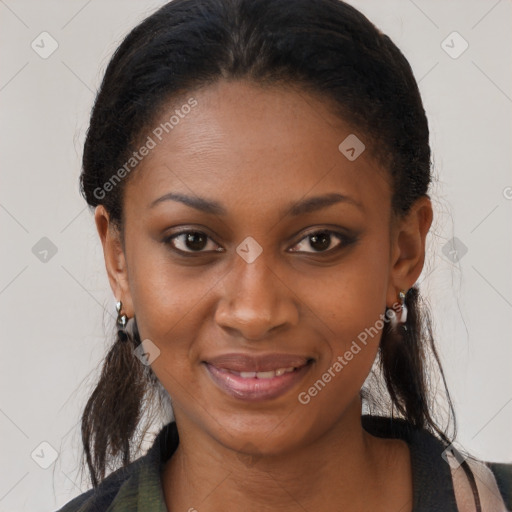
(138, 485)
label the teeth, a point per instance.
(266, 375)
(248, 375)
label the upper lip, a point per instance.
(239, 362)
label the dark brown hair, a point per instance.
(324, 47)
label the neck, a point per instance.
(333, 473)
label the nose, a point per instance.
(256, 301)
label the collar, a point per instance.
(432, 481)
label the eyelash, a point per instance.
(344, 241)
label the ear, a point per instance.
(115, 260)
(408, 248)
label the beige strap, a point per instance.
(490, 496)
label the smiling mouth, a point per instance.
(261, 375)
(253, 379)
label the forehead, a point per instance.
(247, 144)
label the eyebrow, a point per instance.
(294, 209)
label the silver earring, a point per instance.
(121, 321)
(395, 322)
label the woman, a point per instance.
(259, 172)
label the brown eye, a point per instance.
(321, 241)
(190, 241)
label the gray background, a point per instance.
(56, 308)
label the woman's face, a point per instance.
(288, 265)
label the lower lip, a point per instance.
(253, 389)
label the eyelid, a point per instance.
(345, 240)
(168, 241)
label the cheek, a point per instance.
(163, 294)
(167, 306)
(349, 308)
(351, 297)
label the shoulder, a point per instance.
(127, 487)
(442, 481)
(101, 497)
(492, 481)
(503, 475)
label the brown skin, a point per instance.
(255, 150)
